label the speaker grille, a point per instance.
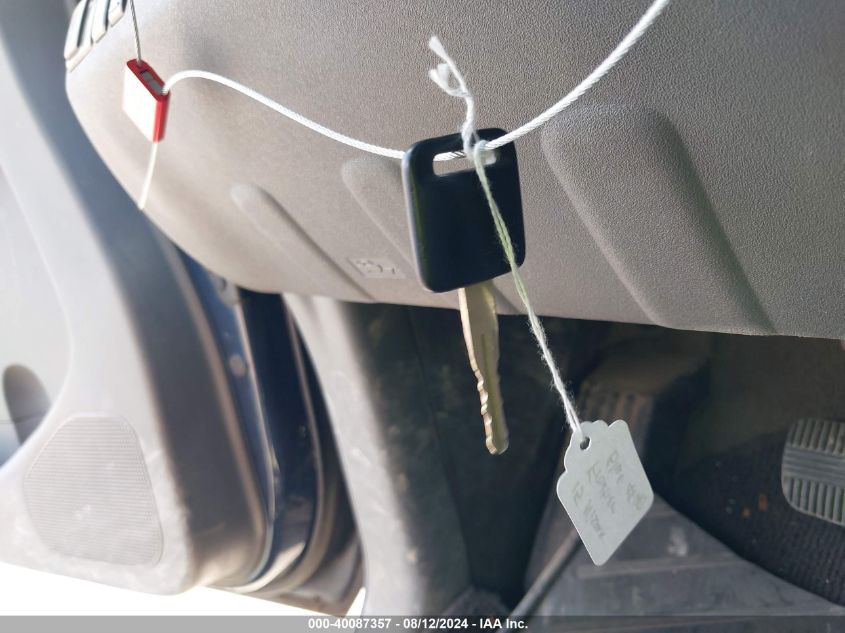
(89, 494)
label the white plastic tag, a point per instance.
(604, 488)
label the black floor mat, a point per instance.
(737, 497)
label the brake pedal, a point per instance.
(813, 469)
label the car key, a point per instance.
(457, 247)
(480, 325)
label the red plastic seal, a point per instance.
(144, 99)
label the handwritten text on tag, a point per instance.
(604, 488)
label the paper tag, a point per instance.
(604, 488)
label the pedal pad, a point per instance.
(813, 469)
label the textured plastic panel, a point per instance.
(89, 494)
(698, 186)
(34, 367)
(630, 179)
(130, 467)
(367, 362)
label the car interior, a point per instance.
(238, 353)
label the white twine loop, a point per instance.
(443, 76)
(475, 150)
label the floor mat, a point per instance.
(737, 497)
(760, 385)
(669, 567)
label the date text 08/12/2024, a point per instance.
(416, 623)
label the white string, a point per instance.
(590, 80)
(137, 34)
(148, 177)
(600, 71)
(277, 107)
(442, 76)
(536, 326)
(451, 80)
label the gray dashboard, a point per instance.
(699, 186)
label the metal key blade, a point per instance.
(481, 333)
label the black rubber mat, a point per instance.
(737, 497)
